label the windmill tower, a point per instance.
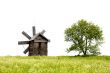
(37, 44)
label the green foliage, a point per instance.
(85, 36)
(60, 64)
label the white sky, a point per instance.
(52, 15)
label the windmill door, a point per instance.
(40, 48)
(44, 48)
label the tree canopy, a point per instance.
(85, 37)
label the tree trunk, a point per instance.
(85, 53)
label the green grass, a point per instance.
(60, 64)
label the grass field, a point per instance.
(51, 64)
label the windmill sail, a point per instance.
(26, 50)
(23, 42)
(26, 35)
(42, 32)
(34, 30)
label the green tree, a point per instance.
(85, 36)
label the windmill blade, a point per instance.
(26, 50)
(23, 42)
(34, 30)
(42, 32)
(26, 35)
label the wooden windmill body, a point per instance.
(37, 44)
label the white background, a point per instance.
(52, 15)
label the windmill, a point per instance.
(37, 43)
